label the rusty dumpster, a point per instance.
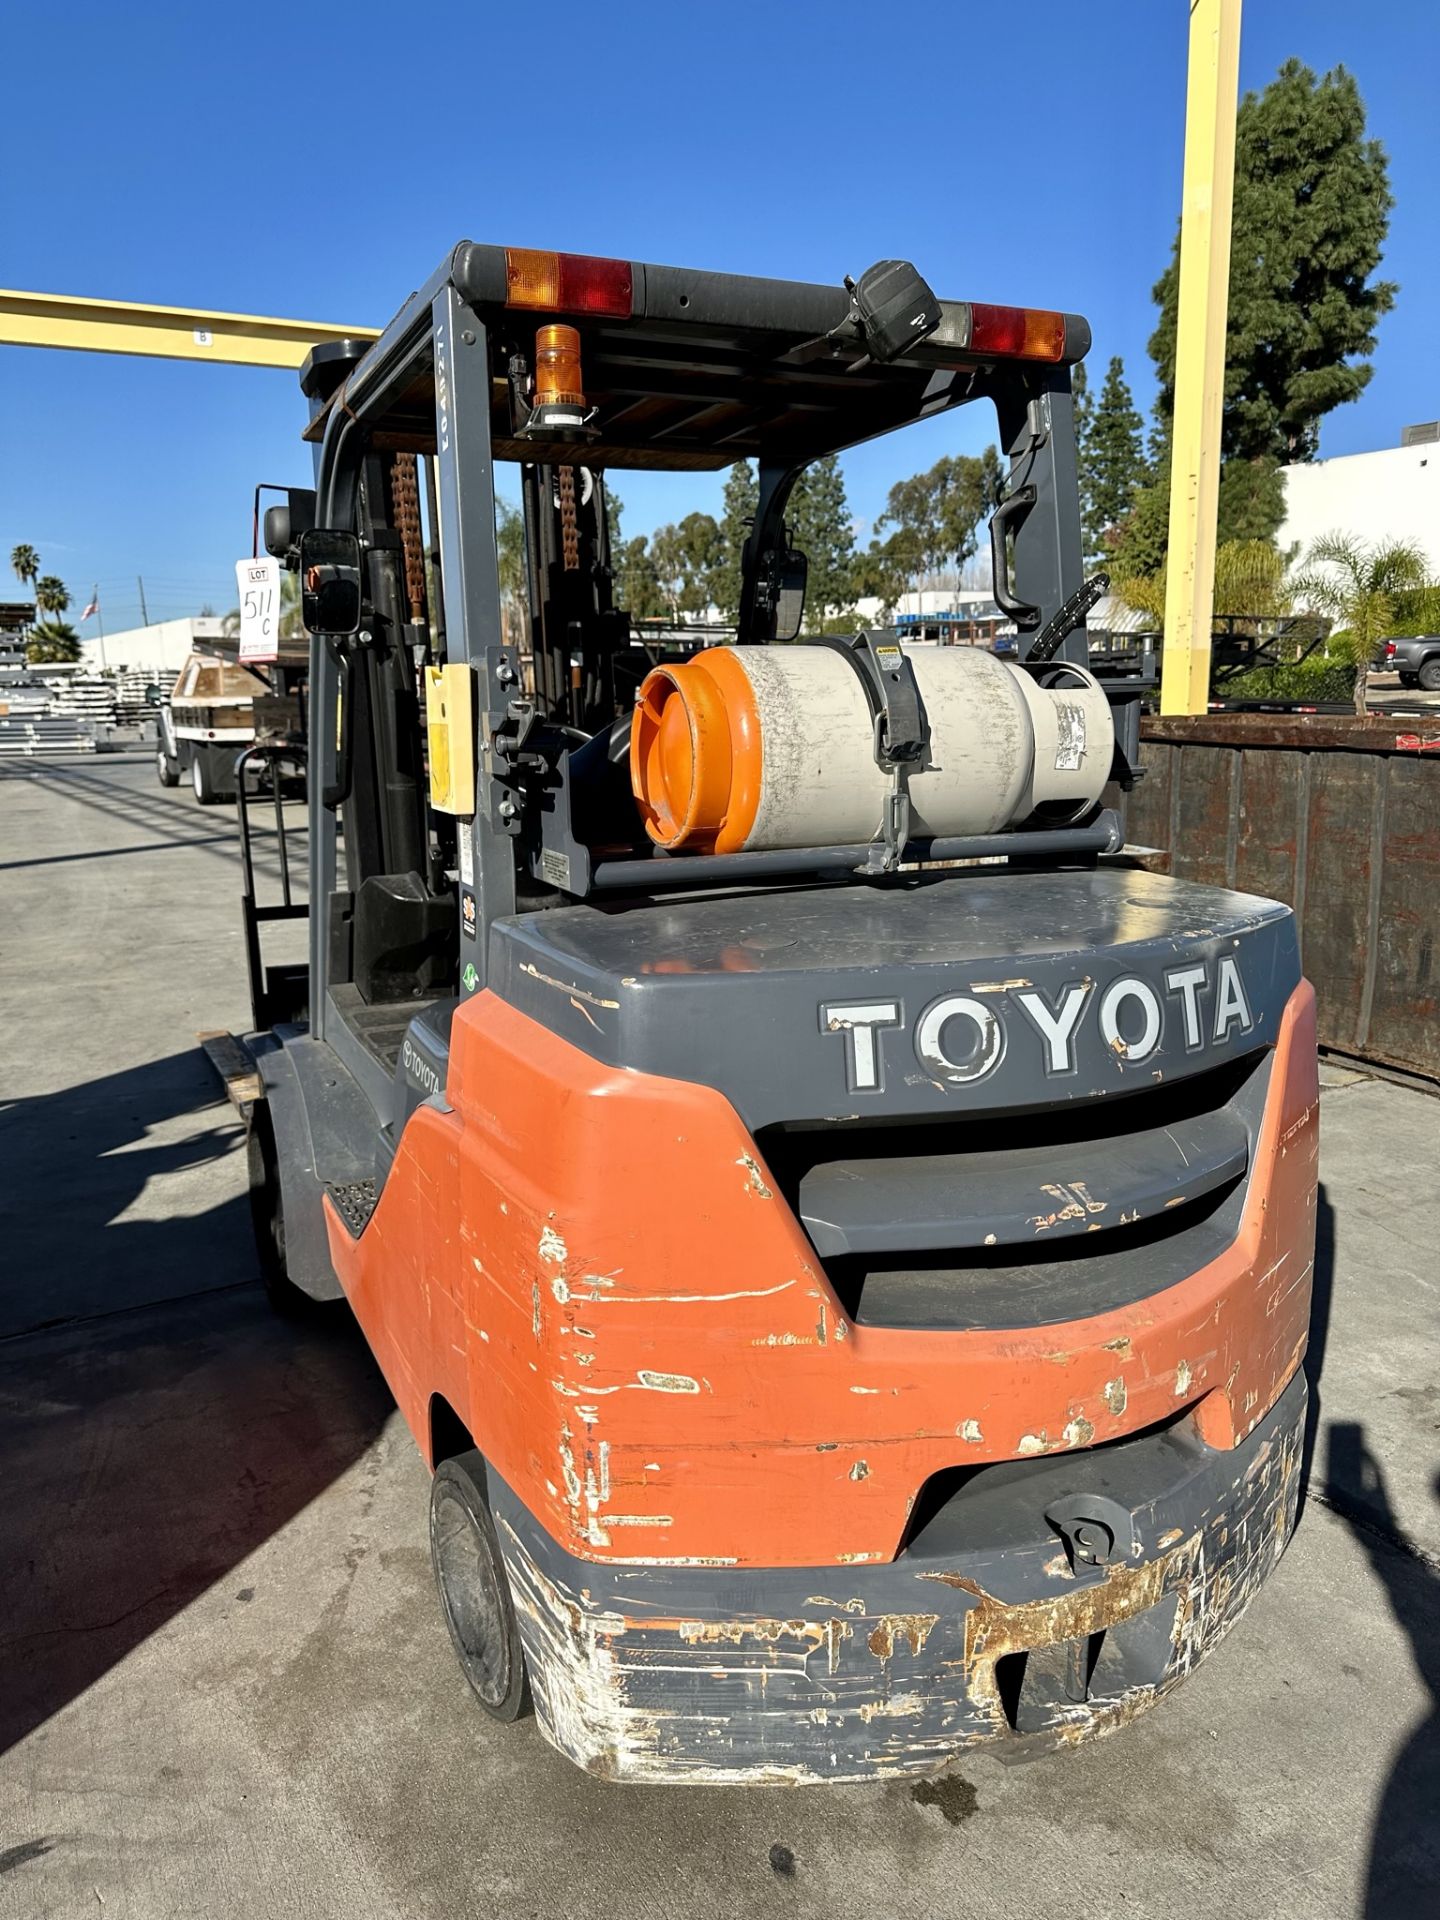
(1339, 816)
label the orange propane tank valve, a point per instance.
(558, 381)
(695, 754)
(747, 749)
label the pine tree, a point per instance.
(821, 525)
(1112, 462)
(1311, 212)
(742, 494)
(1312, 209)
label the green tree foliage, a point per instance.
(934, 519)
(1112, 461)
(25, 565)
(1360, 586)
(1416, 612)
(51, 594)
(52, 642)
(1312, 208)
(614, 508)
(510, 559)
(1250, 580)
(1251, 506)
(637, 586)
(742, 494)
(821, 525)
(684, 558)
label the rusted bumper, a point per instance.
(992, 1626)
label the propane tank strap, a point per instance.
(900, 734)
(901, 730)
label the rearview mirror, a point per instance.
(330, 593)
(791, 578)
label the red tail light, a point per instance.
(567, 282)
(1016, 333)
(1389, 649)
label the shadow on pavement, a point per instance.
(73, 1204)
(173, 1425)
(1404, 1872)
(1321, 1299)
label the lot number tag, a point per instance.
(259, 584)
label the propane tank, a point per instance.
(749, 748)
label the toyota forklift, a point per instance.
(839, 1234)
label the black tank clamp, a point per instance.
(900, 734)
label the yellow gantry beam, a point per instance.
(169, 333)
(1200, 352)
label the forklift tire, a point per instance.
(167, 770)
(475, 1589)
(1429, 676)
(267, 1217)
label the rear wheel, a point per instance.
(166, 770)
(475, 1589)
(267, 1217)
(1429, 675)
(200, 779)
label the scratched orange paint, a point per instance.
(591, 1266)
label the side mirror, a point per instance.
(790, 582)
(284, 525)
(330, 593)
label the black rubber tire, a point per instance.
(474, 1588)
(1429, 675)
(201, 782)
(267, 1217)
(165, 768)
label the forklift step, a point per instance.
(354, 1201)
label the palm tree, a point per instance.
(52, 641)
(1358, 584)
(51, 594)
(25, 563)
(1249, 580)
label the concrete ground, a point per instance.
(225, 1688)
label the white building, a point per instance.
(1390, 495)
(166, 645)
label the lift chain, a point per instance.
(405, 505)
(569, 525)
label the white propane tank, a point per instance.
(749, 748)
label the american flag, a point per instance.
(94, 606)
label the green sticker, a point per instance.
(470, 979)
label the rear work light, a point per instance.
(1016, 333)
(567, 282)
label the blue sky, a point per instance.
(1017, 154)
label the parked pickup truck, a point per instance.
(1416, 661)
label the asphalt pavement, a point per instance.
(225, 1688)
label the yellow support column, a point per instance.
(1200, 352)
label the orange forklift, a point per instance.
(839, 1235)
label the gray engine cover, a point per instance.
(988, 990)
